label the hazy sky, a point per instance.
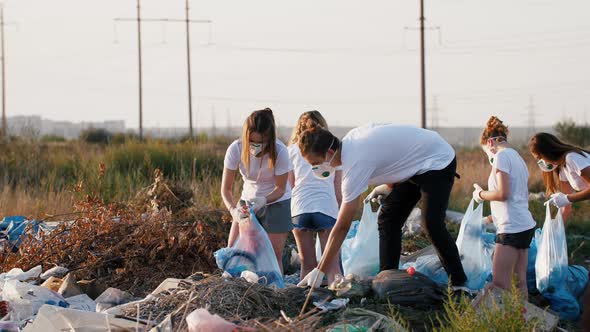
(352, 60)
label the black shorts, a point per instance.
(520, 240)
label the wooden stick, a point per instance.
(315, 280)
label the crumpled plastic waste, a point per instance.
(252, 252)
(201, 320)
(57, 271)
(335, 304)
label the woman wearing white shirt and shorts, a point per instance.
(314, 201)
(566, 170)
(566, 173)
(508, 194)
(408, 164)
(263, 162)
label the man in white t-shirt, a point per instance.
(408, 164)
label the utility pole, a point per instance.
(187, 21)
(188, 66)
(213, 126)
(422, 28)
(422, 65)
(4, 124)
(228, 114)
(140, 70)
(434, 113)
(531, 115)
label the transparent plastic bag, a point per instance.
(551, 267)
(476, 260)
(362, 258)
(252, 252)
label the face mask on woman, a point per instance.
(256, 149)
(490, 155)
(545, 166)
(325, 169)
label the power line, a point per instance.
(187, 22)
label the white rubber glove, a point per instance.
(476, 193)
(315, 275)
(258, 203)
(560, 200)
(379, 193)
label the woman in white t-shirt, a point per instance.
(408, 164)
(508, 194)
(314, 201)
(263, 162)
(566, 170)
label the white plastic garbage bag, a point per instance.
(201, 320)
(57, 271)
(81, 302)
(551, 267)
(20, 275)
(56, 319)
(363, 258)
(23, 295)
(253, 252)
(111, 297)
(250, 276)
(477, 263)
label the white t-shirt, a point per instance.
(310, 194)
(572, 172)
(259, 180)
(387, 153)
(511, 216)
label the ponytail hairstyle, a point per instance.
(308, 120)
(550, 148)
(317, 141)
(262, 122)
(495, 128)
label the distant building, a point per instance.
(37, 126)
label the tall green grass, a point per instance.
(29, 169)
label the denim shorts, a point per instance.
(313, 221)
(277, 217)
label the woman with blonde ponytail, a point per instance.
(508, 195)
(314, 201)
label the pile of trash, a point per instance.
(125, 246)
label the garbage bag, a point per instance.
(531, 277)
(551, 268)
(577, 280)
(399, 287)
(57, 271)
(345, 248)
(4, 223)
(111, 297)
(362, 258)
(252, 252)
(552, 262)
(201, 320)
(476, 248)
(20, 293)
(20, 275)
(51, 318)
(470, 242)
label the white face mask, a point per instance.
(324, 170)
(545, 166)
(490, 155)
(256, 149)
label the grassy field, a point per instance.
(39, 179)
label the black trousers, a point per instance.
(434, 187)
